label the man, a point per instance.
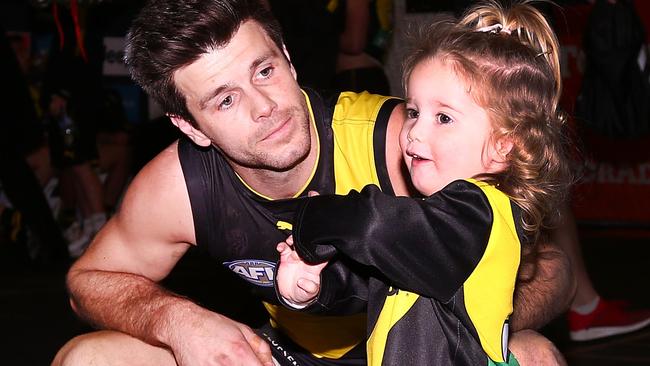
(219, 69)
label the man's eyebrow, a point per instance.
(260, 60)
(203, 103)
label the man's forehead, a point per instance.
(246, 49)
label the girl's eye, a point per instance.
(443, 118)
(412, 113)
(226, 102)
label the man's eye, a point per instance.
(266, 72)
(226, 102)
(443, 118)
(412, 113)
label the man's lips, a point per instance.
(277, 131)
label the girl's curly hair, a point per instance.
(509, 59)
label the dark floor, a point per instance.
(35, 311)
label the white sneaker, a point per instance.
(77, 239)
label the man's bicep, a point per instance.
(544, 289)
(116, 250)
(152, 229)
(394, 161)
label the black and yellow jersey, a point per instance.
(446, 269)
(241, 228)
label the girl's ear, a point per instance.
(502, 147)
(190, 131)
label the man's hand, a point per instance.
(297, 281)
(532, 348)
(218, 340)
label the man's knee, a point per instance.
(78, 351)
(105, 348)
(532, 348)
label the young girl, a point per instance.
(483, 143)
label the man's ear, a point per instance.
(190, 131)
(286, 54)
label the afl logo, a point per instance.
(255, 271)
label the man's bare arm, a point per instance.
(397, 172)
(544, 289)
(114, 284)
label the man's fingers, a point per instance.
(282, 248)
(261, 349)
(310, 287)
(290, 240)
(312, 193)
(263, 352)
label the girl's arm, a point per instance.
(428, 246)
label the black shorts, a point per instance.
(287, 353)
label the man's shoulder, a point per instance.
(163, 170)
(362, 105)
(349, 103)
(157, 199)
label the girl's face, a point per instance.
(446, 136)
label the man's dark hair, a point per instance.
(170, 34)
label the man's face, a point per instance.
(246, 101)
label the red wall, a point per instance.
(615, 187)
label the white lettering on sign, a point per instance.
(609, 173)
(114, 57)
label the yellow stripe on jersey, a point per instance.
(397, 304)
(307, 330)
(353, 124)
(489, 289)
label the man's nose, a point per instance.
(262, 105)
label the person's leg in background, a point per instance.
(115, 158)
(90, 198)
(26, 195)
(590, 316)
(362, 45)
(20, 134)
(82, 212)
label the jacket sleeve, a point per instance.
(429, 246)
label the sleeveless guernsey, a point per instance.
(241, 228)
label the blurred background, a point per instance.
(76, 129)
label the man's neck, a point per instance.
(284, 184)
(275, 185)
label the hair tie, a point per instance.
(494, 28)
